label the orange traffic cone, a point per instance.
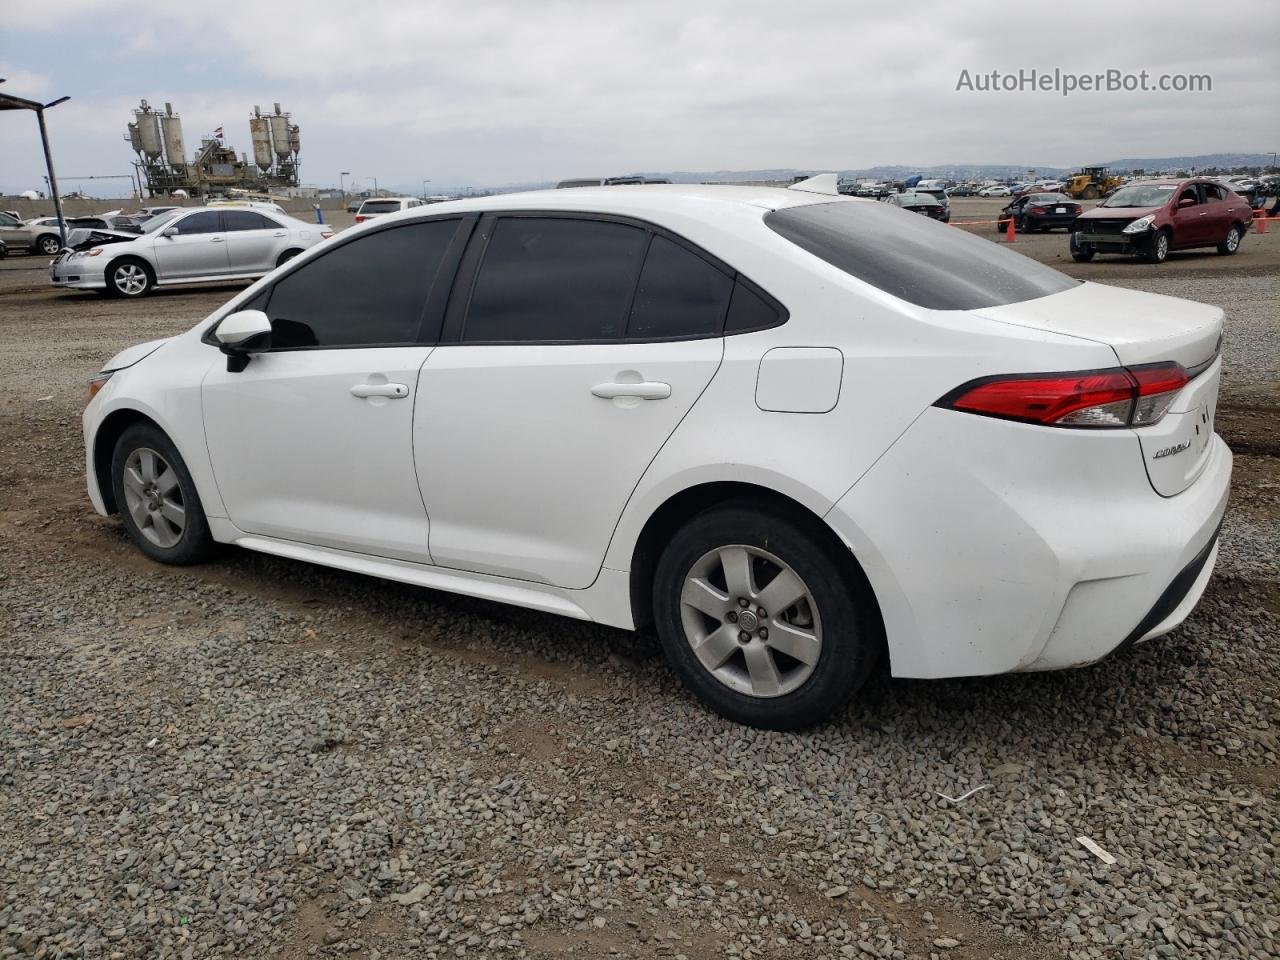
(1261, 216)
(1009, 235)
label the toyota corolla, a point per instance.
(793, 431)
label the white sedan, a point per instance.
(796, 432)
(186, 245)
(997, 191)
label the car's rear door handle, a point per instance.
(642, 391)
(216, 239)
(394, 391)
(279, 233)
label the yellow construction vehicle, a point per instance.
(1091, 183)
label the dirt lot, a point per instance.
(258, 757)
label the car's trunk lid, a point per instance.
(1145, 328)
(1139, 327)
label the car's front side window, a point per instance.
(204, 221)
(369, 291)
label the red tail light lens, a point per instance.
(1121, 397)
(359, 219)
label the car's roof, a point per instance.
(681, 198)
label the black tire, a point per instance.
(1232, 243)
(49, 245)
(1158, 247)
(286, 257)
(195, 544)
(1080, 254)
(1020, 225)
(1002, 225)
(131, 290)
(846, 616)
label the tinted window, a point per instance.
(680, 294)
(915, 258)
(748, 310)
(550, 279)
(206, 221)
(380, 206)
(369, 291)
(246, 220)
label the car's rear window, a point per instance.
(915, 258)
(380, 206)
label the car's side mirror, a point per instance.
(169, 232)
(242, 334)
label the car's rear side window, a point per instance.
(915, 258)
(246, 220)
(552, 279)
(680, 294)
(370, 291)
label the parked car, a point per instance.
(961, 190)
(1151, 218)
(381, 206)
(732, 412)
(998, 190)
(17, 235)
(1033, 212)
(580, 182)
(189, 245)
(156, 211)
(938, 193)
(4, 250)
(924, 203)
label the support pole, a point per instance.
(53, 180)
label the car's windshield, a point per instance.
(1140, 195)
(915, 258)
(159, 221)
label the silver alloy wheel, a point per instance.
(130, 279)
(153, 497)
(1233, 239)
(751, 621)
(49, 245)
(1162, 245)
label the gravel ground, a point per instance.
(263, 758)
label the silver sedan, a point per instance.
(190, 245)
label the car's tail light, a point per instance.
(1038, 211)
(1121, 397)
(326, 234)
(359, 219)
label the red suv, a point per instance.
(1153, 217)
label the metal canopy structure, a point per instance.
(9, 102)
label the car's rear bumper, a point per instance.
(995, 546)
(1052, 222)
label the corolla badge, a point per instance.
(1170, 451)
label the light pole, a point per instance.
(342, 185)
(375, 185)
(424, 189)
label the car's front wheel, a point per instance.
(129, 278)
(1231, 243)
(760, 616)
(1158, 247)
(1081, 252)
(157, 498)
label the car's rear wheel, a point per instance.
(286, 257)
(49, 245)
(129, 278)
(1232, 242)
(1158, 247)
(157, 498)
(760, 617)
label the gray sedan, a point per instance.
(33, 238)
(191, 245)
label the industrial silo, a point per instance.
(260, 134)
(171, 130)
(149, 137)
(280, 134)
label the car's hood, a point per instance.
(1118, 213)
(131, 355)
(82, 238)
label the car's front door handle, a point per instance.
(393, 391)
(216, 239)
(279, 233)
(641, 391)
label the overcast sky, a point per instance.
(490, 92)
